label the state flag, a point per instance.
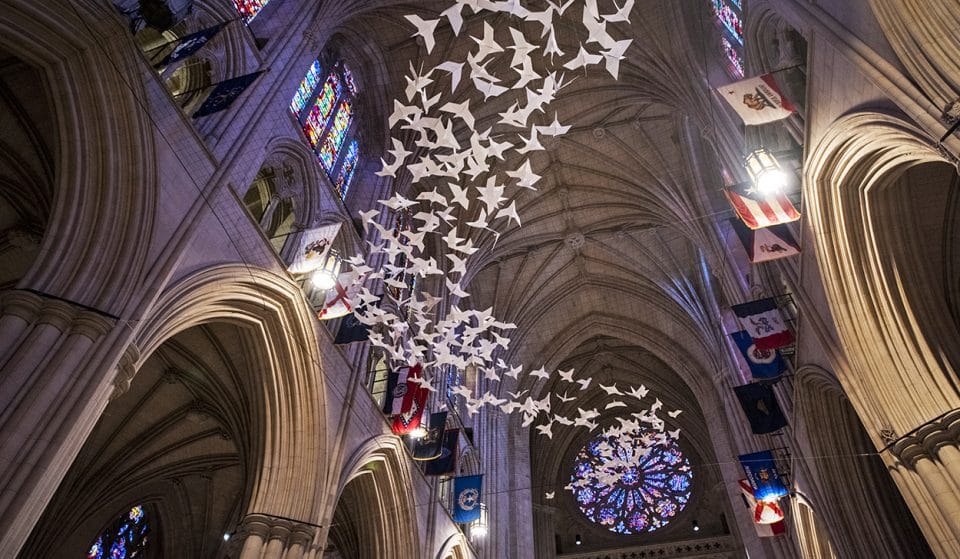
(763, 477)
(466, 498)
(768, 518)
(757, 100)
(763, 322)
(189, 44)
(764, 364)
(760, 405)
(758, 211)
(225, 93)
(446, 463)
(407, 399)
(767, 243)
(339, 300)
(352, 331)
(314, 245)
(430, 446)
(397, 389)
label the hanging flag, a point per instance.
(466, 498)
(768, 518)
(225, 93)
(314, 246)
(397, 389)
(764, 364)
(339, 300)
(758, 211)
(351, 331)
(762, 474)
(760, 405)
(762, 320)
(757, 100)
(430, 446)
(446, 463)
(767, 243)
(189, 44)
(407, 399)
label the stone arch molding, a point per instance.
(900, 375)
(291, 403)
(106, 171)
(380, 467)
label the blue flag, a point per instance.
(466, 498)
(190, 44)
(446, 463)
(352, 330)
(761, 470)
(760, 405)
(764, 364)
(225, 94)
(430, 446)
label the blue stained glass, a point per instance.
(347, 168)
(644, 485)
(348, 77)
(126, 539)
(307, 86)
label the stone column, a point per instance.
(544, 518)
(57, 364)
(268, 537)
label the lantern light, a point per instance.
(326, 275)
(765, 171)
(479, 528)
(577, 540)
(418, 432)
(696, 526)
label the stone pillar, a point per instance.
(268, 537)
(926, 467)
(544, 518)
(57, 364)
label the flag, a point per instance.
(757, 100)
(760, 405)
(225, 93)
(764, 364)
(763, 477)
(446, 463)
(352, 330)
(430, 446)
(314, 246)
(397, 389)
(758, 211)
(767, 517)
(763, 323)
(466, 498)
(190, 44)
(339, 300)
(767, 243)
(406, 398)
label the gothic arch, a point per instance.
(290, 413)
(902, 353)
(375, 514)
(849, 477)
(105, 175)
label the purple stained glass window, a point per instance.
(307, 86)
(322, 108)
(126, 538)
(734, 60)
(728, 17)
(347, 168)
(629, 483)
(348, 78)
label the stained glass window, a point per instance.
(248, 9)
(347, 168)
(307, 86)
(317, 119)
(125, 539)
(348, 77)
(729, 18)
(629, 483)
(338, 132)
(734, 60)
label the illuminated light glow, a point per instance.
(347, 168)
(248, 9)
(317, 119)
(729, 18)
(338, 132)
(735, 61)
(126, 538)
(629, 484)
(307, 86)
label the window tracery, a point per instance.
(126, 538)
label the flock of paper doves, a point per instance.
(463, 190)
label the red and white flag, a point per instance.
(767, 517)
(757, 100)
(339, 301)
(757, 211)
(413, 402)
(763, 321)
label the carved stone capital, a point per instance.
(924, 441)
